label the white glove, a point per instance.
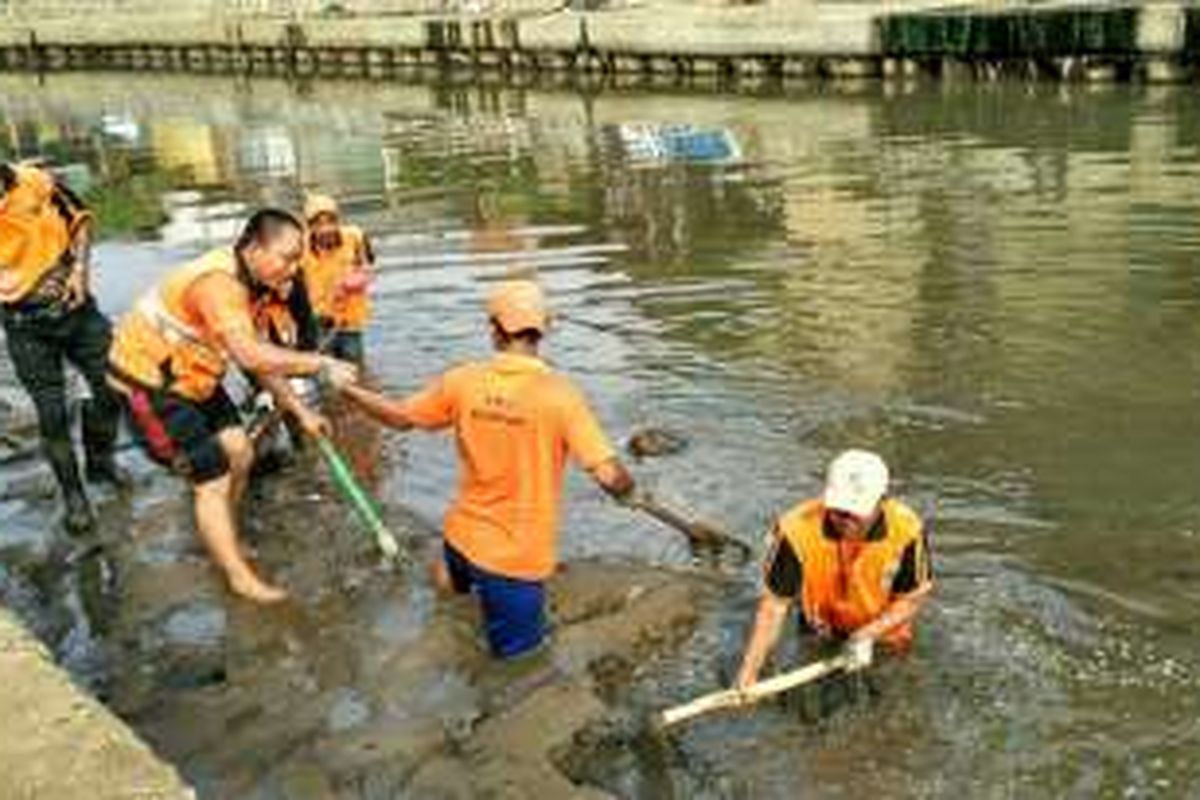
(306, 388)
(338, 374)
(861, 652)
(264, 403)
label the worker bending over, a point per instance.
(170, 355)
(855, 561)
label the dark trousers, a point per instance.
(39, 342)
(348, 346)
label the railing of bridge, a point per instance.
(83, 9)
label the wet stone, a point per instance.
(197, 625)
(348, 711)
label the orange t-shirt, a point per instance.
(515, 422)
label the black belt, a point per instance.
(39, 311)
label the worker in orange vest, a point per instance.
(855, 562)
(50, 316)
(337, 273)
(516, 421)
(170, 354)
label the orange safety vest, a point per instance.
(848, 583)
(161, 345)
(34, 234)
(324, 273)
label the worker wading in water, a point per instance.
(855, 561)
(170, 354)
(515, 421)
(50, 316)
(337, 273)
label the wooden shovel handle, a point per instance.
(734, 698)
(698, 533)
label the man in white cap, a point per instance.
(854, 560)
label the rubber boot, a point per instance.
(99, 441)
(78, 518)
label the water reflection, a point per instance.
(995, 286)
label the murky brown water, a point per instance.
(994, 286)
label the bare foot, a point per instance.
(440, 576)
(256, 590)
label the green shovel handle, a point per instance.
(353, 491)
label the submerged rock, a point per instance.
(653, 442)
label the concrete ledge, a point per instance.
(809, 30)
(176, 31)
(407, 32)
(57, 742)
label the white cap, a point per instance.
(857, 480)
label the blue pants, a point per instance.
(513, 609)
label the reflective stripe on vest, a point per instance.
(151, 306)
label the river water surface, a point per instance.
(994, 286)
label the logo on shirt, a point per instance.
(497, 407)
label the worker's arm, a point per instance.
(313, 423)
(81, 271)
(77, 217)
(261, 358)
(590, 448)
(903, 608)
(612, 476)
(358, 278)
(768, 622)
(234, 325)
(431, 408)
(911, 586)
(387, 410)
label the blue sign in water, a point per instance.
(650, 142)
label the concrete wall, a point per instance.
(58, 742)
(42, 9)
(798, 40)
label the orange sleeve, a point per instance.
(432, 407)
(586, 441)
(223, 305)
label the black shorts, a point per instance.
(182, 434)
